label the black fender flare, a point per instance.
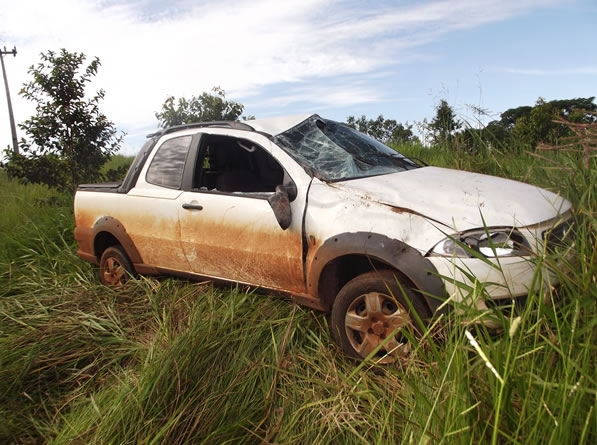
(115, 228)
(395, 253)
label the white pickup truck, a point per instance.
(309, 208)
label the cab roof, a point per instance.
(271, 126)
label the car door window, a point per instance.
(167, 166)
(235, 165)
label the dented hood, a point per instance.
(460, 200)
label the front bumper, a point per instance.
(503, 280)
(472, 281)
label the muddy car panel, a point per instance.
(237, 237)
(150, 222)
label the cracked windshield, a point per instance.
(335, 152)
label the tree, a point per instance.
(444, 125)
(525, 127)
(387, 131)
(68, 139)
(207, 107)
(509, 117)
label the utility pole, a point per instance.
(15, 144)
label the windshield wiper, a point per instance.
(356, 158)
(406, 162)
(420, 161)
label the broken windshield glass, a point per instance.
(335, 152)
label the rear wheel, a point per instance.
(377, 308)
(115, 267)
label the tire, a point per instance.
(371, 307)
(115, 267)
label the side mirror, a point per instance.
(280, 204)
(290, 190)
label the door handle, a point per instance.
(189, 206)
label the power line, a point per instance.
(13, 128)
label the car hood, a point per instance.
(459, 199)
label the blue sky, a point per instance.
(333, 57)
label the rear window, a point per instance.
(168, 163)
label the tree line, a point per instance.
(69, 139)
(517, 129)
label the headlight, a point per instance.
(490, 243)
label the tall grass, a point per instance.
(544, 388)
(168, 361)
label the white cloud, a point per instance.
(152, 49)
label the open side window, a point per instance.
(234, 165)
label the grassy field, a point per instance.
(170, 361)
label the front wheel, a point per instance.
(377, 308)
(115, 267)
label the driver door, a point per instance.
(228, 228)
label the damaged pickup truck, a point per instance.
(314, 210)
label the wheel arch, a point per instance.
(108, 231)
(345, 256)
